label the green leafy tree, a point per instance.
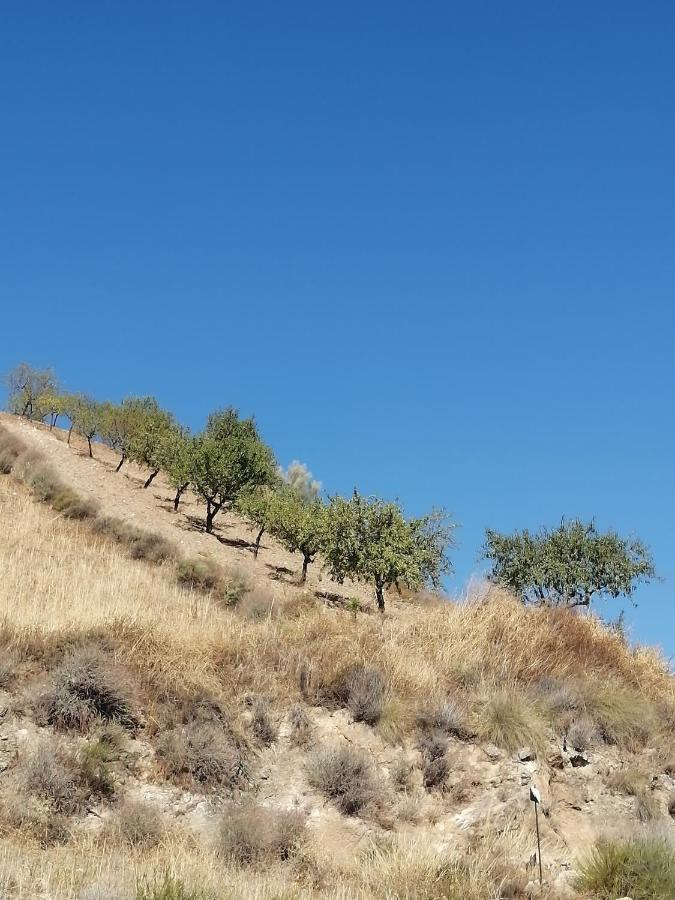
(177, 458)
(24, 385)
(258, 508)
(299, 522)
(229, 458)
(370, 540)
(150, 426)
(86, 417)
(567, 566)
(124, 425)
(50, 405)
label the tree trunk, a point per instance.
(70, 434)
(179, 493)
(150, 478)
(120, 463)
(306, 560)
(211, 512)
(257, 543)
(379, 593)
(91, 455)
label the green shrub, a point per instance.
(643, 869)
(169, 888)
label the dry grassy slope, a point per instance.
(60, 584)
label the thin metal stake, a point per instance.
(536, 818)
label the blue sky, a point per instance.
(430, 246)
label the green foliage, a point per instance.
(229, 458)
(150, 426)
(370, 540)
(569, 565)
(298, 523)
(25, 385)
(86, 416)
(169, 888)
(50, 405)
(177, 458)
(643, 869)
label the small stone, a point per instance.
(493, 753)
(556, 761)
(527, 754)
(579, 759)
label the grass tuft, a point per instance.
(642, 868)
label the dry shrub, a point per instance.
(635, 783)
(11, 447)
(200, 574)
(135, 824)
(252, 833)
(9, 663)
(45, 788)
(237, 586)
(447, 717)
(346, 776)
(433, 744)
(262, 724)
(559, 697)
(145, 545)
(255, 605)
(86, 689)
(401, 773)
(201, 754)
(582, 734)
(69, 503)
(362, 690)
(436, 772)
(509, 721)
(671, 806)
(301, 725)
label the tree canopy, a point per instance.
(370, 539)
(25, 385)
(229, 458)
(569, 565)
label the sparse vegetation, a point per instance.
(262, 724)
(85, 690)
(642, 868)
(201, 754)
(344, 775)
(253, 833)
(135, 824)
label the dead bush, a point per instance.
(200, 574)
(69, 503)
(344, 775)
(436, 772)
(256, 605)
(558, 696)
(11, 448)
(52, 774)
(433, 744)
(671, 806)
(262, 724)
(447, 717)
(634, 783)
(145, 545)
(201, 754)
(135, 824)
(252, 833)
(42, 481)
(401, 774)
(363, 692)
(86, 689)
(582, 734)
(301, 725)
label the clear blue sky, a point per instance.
(430, 246)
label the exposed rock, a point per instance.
(579, 759)
(527, 754)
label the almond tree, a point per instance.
(229, 458)
(369, 539)
(299, 523)
(176, 456)
(86, 417)
(567, 566)
(151, 425)
(24, 385)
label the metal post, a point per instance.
(536, 818)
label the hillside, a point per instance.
(284, 741)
